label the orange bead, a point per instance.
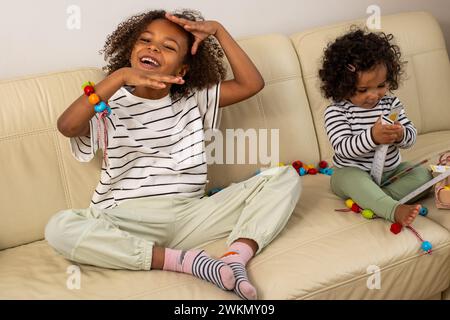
(94, 99)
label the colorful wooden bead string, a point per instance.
(395, 227)
(304, 169)
(103, 110)
(426, 245)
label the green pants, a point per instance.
(123, 237)
(358, 185)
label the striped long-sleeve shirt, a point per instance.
(349, 131)
(155, 147)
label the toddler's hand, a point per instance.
(136, 77)
(399, 132)
(387, 133)
(200, 29)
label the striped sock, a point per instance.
(200, 265)
(237, 257)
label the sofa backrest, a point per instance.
(425, 92)
(39, 176)
(282, 105)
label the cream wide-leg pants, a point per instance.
(123, 237)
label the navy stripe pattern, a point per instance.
(240, 274)
(348, 129)
(208, 269)
(155, 147)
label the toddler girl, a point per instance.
(359, 71)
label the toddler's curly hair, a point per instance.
(358, 50)
(206, 67)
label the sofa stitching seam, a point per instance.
(261, 109)
(26, 134)
(419, 99)
(281, 79)
(62, 170)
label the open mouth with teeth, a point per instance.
(149, 62)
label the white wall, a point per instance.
(34, 37)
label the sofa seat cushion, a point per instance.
(321, 254)
(428, 145)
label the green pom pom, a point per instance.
(368, 214)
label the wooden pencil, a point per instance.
(402, 173)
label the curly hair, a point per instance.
(358, 50)
(206, 67)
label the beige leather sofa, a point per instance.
(321, 254)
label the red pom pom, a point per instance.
(88, 90)
(312, 171)
(323, 164)
(356, 208)
(297, 164)
(396, 228)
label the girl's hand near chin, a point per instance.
(136, 77)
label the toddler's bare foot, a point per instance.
(405, 214)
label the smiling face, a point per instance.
(161, 48)
(371, 87)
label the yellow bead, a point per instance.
(368, 214)
(447, 187)
(349, 203)
(281, 164)
(87, 83)
(94, 99)
(311, 166)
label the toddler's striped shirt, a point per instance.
(349, 132)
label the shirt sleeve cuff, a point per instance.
(372, 143)
(403, 142)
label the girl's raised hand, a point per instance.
(136, 77)
(200, 29)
